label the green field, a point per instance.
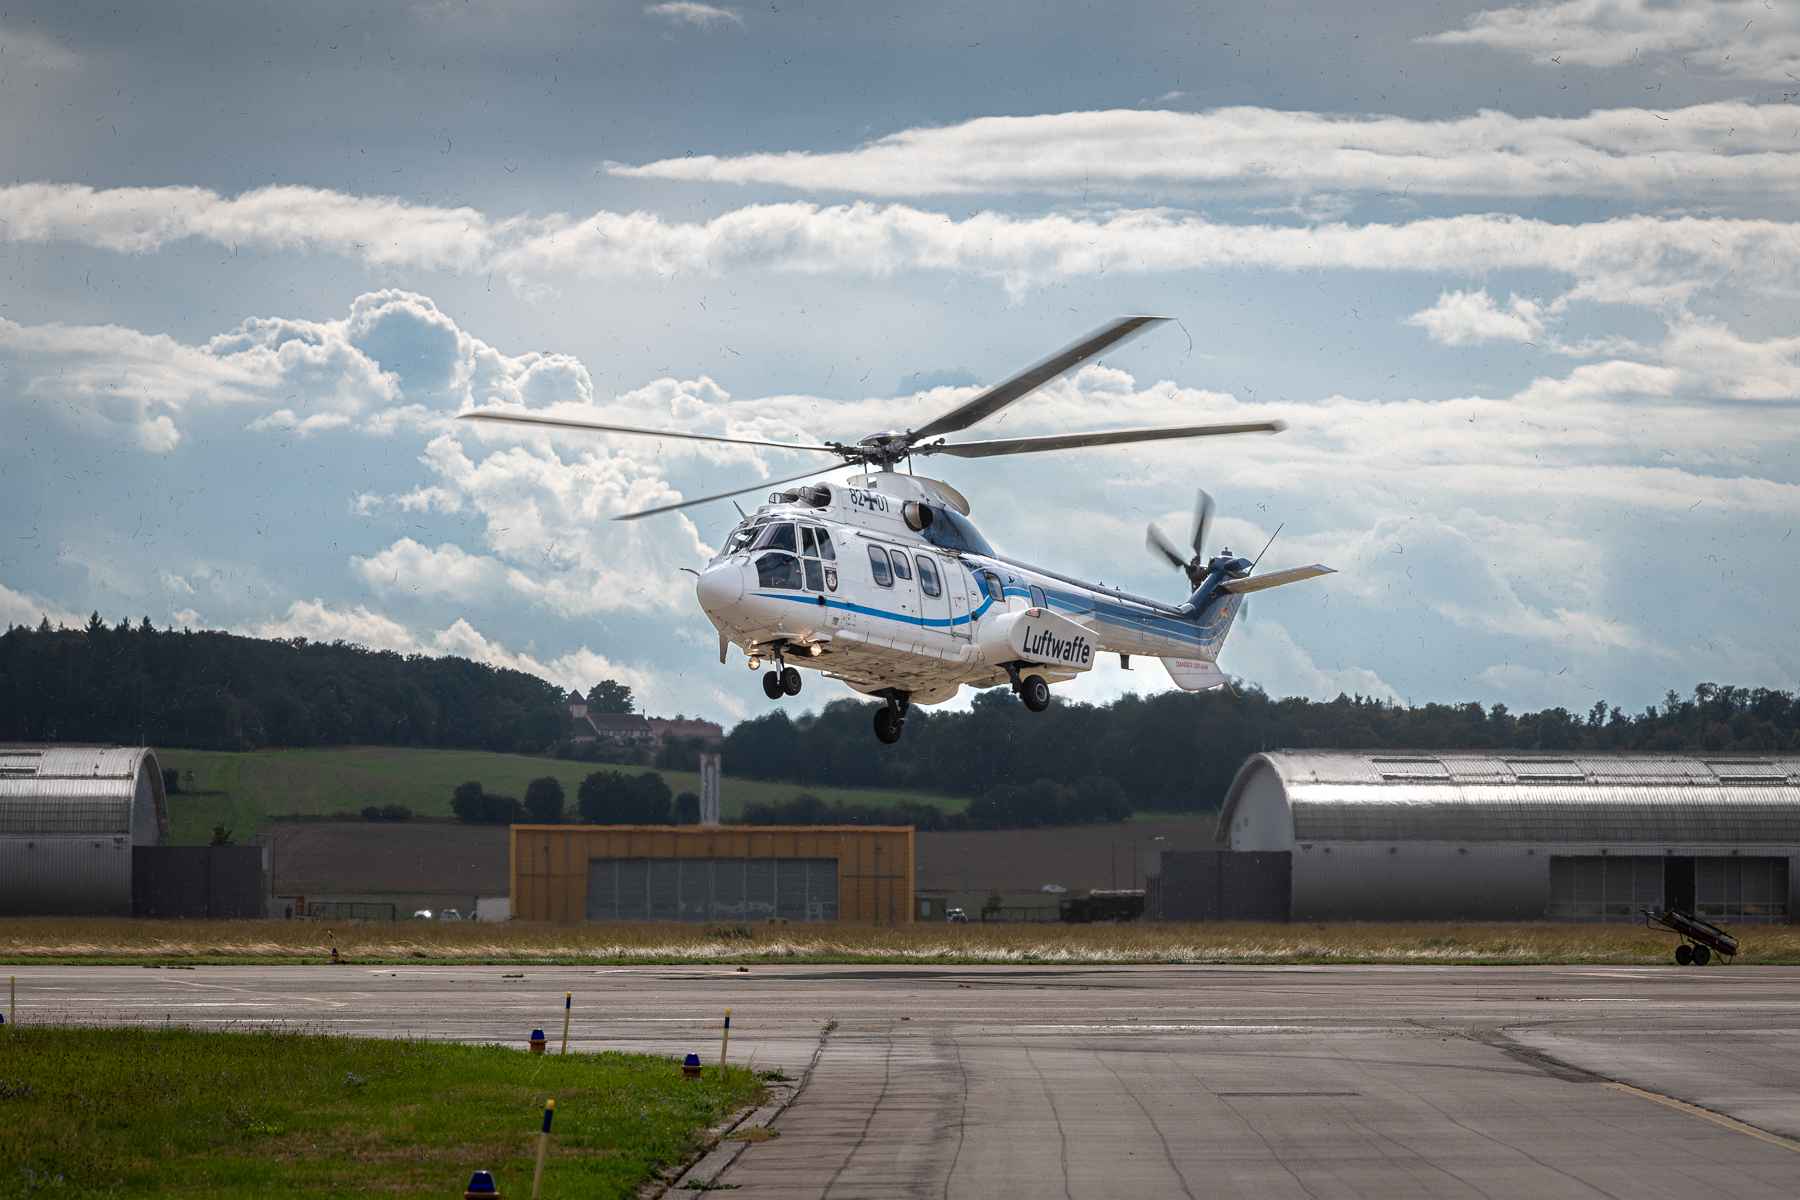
(242, 791)
(152, 1112)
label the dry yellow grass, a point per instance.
(53, 939)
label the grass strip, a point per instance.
(173, 943)
(138, 1112)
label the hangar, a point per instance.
(858, 873)
(1421, 836)
(69, 819)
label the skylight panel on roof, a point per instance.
(1533, 769)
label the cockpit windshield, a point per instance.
(776, 535)
(951, 530)
(740, 538)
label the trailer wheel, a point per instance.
(1684, 954)
(1702, 956)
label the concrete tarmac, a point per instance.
(1133, 1081)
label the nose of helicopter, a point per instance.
(719, 587)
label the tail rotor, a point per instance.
(1161, 545)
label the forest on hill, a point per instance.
(1173, 751)
(1179, 750)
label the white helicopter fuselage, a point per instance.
(887, 586)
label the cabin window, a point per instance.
(1037, 597)
(878, 563)
(778, 570)
(902, 569)
(995, 592)
(825, 550)
(777, 536)
(928, 577)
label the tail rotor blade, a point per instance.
(1160, 545)
(1203, 511)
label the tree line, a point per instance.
(1179, 751)
(137, 684)
(604, 798)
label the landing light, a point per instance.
(816, 649)
(755, 662)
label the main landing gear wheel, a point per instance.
(790, 681)
(772, 685)
(1684, 954)
(1035, 693)
(888, 725)
(1702, 956)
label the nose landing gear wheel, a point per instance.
(888, 725)
(1035, 693)
(772, 685)
(1684, 954)
(790, 681)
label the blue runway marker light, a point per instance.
(537, 1041)
(481, 1187)
(690, 1066)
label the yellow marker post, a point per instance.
(724, 1043)
(568, 999)
(537, 1176)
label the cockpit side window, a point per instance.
(776, 570)
(995, 592)
(808, 545)
(1037, 597)
(878, 563)
(825, 550)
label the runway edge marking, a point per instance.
(703, 1172)
(1707, 1114)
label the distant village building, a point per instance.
(638, 731)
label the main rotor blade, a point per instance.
(1072, 441)
(749, 487)
(1034, 377)
(518, 418)
(1159, 544)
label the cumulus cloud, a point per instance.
(1630, 260)
(24, 608)
(577, 670)
(1462, 318)
(34, 51)
(1713, 150)
(699, 16)
(1748, 39)
(407, 566)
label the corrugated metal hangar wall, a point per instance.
(1474, 835)
(699, 873)
(69, 817)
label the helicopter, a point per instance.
(882, 581)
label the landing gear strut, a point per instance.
(890, 718)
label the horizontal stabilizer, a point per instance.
(1256, 583)
(1194, 674)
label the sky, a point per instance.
(1521, 280)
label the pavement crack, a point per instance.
(962, 1117)
(1168, 1155)
(862, 1137)
(1062, 1135)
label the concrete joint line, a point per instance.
(1707, 1114)
(721, 1149)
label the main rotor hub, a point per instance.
(887, 448)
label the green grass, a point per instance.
(140, 1112)
(242, 791)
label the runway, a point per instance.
(1139, 1081)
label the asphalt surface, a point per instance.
(1133, 1081)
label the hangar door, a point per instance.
(1619, 887)
(712, 889)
